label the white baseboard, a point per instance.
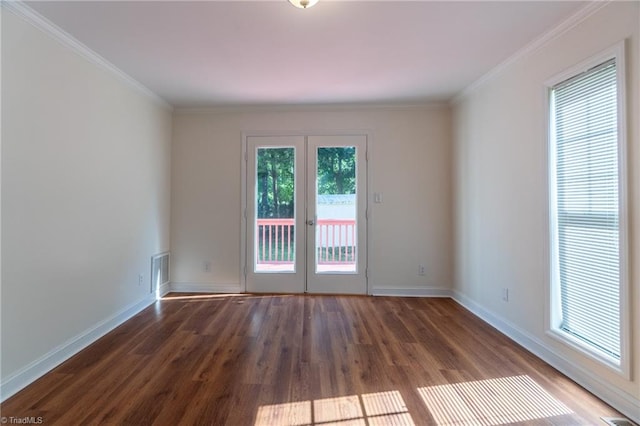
(411, 292)
(621, 401)
(193, 287)
(164, 289)
(30, 373)
(199, 287)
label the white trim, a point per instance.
(204, 287)
(411, 292)
(585, 349)
(243, 212)
(621, 401)
(36, 369)
(623, 368)
(244, 215)
(164, 290)
(551, 300)
(369, 214)
(532, 47)
(19, 8)
(619, 50)
(308, 108)
(308, 133)
(616, 51)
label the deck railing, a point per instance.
(275, 240)
(335, 241)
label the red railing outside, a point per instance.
(275, 240)
(335, 241)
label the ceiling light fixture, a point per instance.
(303, 4)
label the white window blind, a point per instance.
(585, 131)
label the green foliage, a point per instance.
(276, 182)
(337, 170)
(276, 175)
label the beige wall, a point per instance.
(501, 193)
(85, 199)
(410, 164)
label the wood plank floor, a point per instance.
(305, 360)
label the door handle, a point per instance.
(310, 222)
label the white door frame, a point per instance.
(244, 215)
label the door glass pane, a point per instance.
(275, 207)
(336, 227)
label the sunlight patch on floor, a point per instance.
(201, 296)
(491, 402)
(337, 409)
(375, 409)
(291, 413)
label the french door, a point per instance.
(306, 214)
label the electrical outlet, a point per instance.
(421, 270)
(505, 294)
(140, 279)
(206, 266)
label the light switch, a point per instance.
(377, 197)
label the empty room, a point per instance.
(320, 212)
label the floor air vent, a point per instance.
(159, 271)
(618, 421)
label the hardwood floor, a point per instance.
(305, 360)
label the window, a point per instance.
(587, 208)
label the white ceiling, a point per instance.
(201, 54)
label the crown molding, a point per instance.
(309, 108)
(20, 9)
(538, 43)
